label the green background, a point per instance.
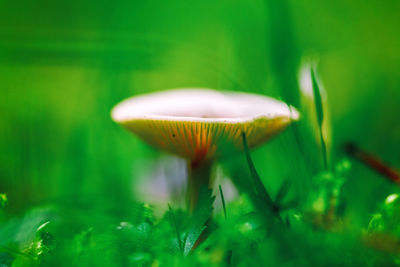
(65, 64)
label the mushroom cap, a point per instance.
(200, 124)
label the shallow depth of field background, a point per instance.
(63, 65)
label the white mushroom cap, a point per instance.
(195, 123)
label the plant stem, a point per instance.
(198, 177)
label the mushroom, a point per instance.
(201, 125)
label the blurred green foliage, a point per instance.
(66, 166)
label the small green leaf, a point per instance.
(175, 226)
(198, 222)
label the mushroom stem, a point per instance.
(198, 177)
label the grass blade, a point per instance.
(223, 201)
(199, 221)
(262, 199)
(320, 115)
(258, 186)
